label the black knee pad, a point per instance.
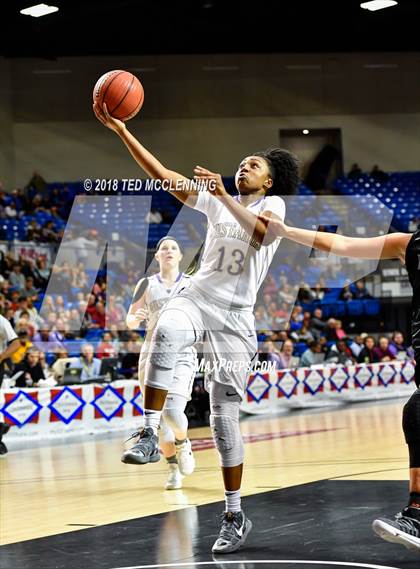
(411, 418)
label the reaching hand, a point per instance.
(276, 226)
(106, 119)
(214, 181)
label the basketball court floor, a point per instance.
(313, 483)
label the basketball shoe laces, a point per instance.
(408, 524)
(140, 433)
(231, 522)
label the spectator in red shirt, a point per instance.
(98, 316)
(105, 348)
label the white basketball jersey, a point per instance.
(157, 295)
(233, 265)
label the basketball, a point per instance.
(122, 93)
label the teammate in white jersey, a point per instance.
(9, 343)
(150, 296)
(217, 308)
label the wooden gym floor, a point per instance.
(313, 483)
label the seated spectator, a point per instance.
(25, 345)
(79, 277)
(357, 344)
(61, 364)
(400, 349)
(16, 278)
(270, 285)
(98, 316)
(318, 292)
(41, 273)
(276, 322)
(313, 355)
(302, 335)
(115, 310)
(44, 366)
(339, 330)
(414, 224)
(131, 352)
(29, 290)
(33, 232)
(383, 351)
(11, 211)
(354, 172)
(46, 341)
(58, 333)
(287, 359)
(346, 293)
(317, 325)
(270, 353)
(305, 294)
(360, 291)
(367, 354)
(379, 175)
(330, 330)
(262, 322)
(296, 319)
(340, 354)
(32, 370)
(48, 232)
(287, 294)
(89, 365)
(105, 348)
(25, 305)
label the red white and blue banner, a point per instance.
(71, 409)
(322, 386)
(88, 409)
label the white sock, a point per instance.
(233, 501)
(152, 419)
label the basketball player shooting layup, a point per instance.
(405, 529)
(217, 309)
(150, 296)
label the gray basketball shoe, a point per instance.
(145, 450)
(233, 533)
(404, 529)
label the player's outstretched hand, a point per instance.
(215, 183)
(276, 227)
(106, 119)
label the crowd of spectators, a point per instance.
(86, 324)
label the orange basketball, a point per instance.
(122, 93)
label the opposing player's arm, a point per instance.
(137, 312)
(390, 246)
(180, 186)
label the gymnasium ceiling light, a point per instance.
(39, 10)
(374, 5)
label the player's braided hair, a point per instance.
(284, 170)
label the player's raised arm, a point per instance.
(137, 312)
(181, 187)
(391, 246)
